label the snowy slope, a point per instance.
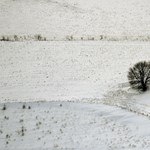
(32, 71)
(77, 126)
(56, 19)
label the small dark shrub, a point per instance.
(6, 118)
(92, 38)
(24, 106)
(139, 76)
(1, 132)
(3, 38)
(39, 37)
(16, 38)
(7, 136)
(69, 38)
(23, 131)
(6, 38)
(101, 37)
(4, 107)
(21, 120)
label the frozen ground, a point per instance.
(67, 125)
(57, 19)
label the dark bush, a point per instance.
(4, 107)
(39, 37)
(24, 106)
(16, 38)
(139, 76)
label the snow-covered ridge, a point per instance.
(62, 18)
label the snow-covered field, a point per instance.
(91, 72)
(32, 71)
(79, 73)
(71, 126)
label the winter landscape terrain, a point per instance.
(63, 74)
(82, 19)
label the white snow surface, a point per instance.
(56, 19)
(47, 71)
(92, 71)
(67, 125)
(77, 71)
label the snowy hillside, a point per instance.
(32, 71)
(57, 19)
(77, 126)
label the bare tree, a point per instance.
(139, 76)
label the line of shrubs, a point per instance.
(39, 37)
(13, 38)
